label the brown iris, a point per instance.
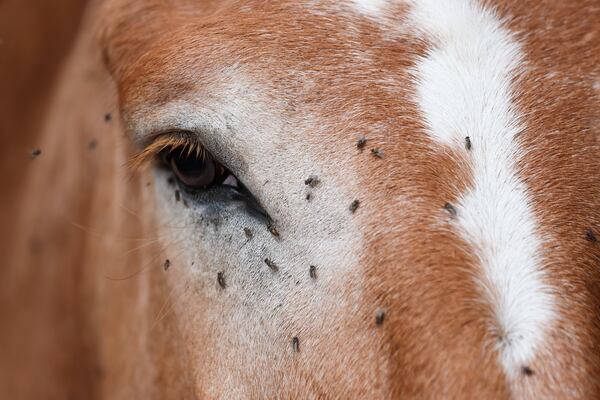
(195, 170)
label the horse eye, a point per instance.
(198, 170)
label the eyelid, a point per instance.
(179, 140)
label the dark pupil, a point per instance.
(192, 170)
(189, 165)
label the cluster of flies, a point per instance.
(313, 182)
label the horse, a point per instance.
(313, 199)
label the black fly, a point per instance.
(451, 209)
(361, 143)
(296, 344)
(35, 153)
(312, 181)
(271, 227)
(590, 236)
(271, 264)
(221, 280)
(377, 152)
(312, 272)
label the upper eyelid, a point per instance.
(161, 142)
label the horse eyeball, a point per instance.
(198, 170)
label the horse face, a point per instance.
(375, 195)
(268, 261)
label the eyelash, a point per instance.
(167, 144)
(191, 164)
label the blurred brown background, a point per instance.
(35, 37)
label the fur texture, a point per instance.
(414, 295)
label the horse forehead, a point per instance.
(286, 45)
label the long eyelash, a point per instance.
(170, 143)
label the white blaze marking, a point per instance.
(464, 89)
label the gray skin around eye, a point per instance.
(216, 200)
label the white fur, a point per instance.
(464, 89)
(370, 7)
(260, 311)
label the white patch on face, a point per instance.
(464, 89)
(260, 309)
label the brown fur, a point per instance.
(87, 306)
(562, 169)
